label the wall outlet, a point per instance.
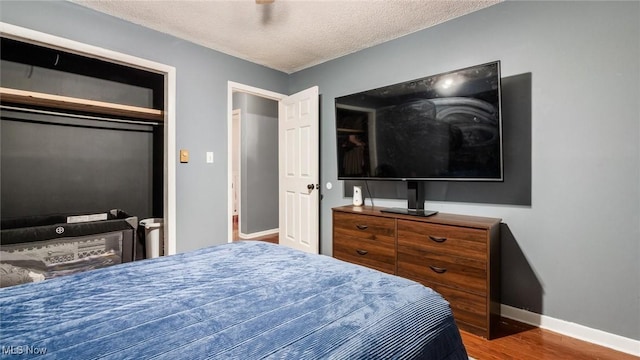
(210, 157)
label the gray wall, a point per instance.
(201, 118)
(259, 163)
(573, 254)
(57, 164)
(53, 164)
(39, 79)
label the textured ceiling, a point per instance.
(287, 35)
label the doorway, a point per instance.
(253, 164)
(297, 166)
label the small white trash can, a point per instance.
(153, 236)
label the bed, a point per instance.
(244, 300)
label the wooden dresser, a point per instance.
(456, 255)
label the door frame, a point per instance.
(169, 72)
(236, 147)
(242, 88)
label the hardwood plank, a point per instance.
(33, 98)
(515, 340)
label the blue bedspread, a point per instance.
(246, 300)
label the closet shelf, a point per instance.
(33, 98)
(345, 130)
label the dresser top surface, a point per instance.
(439, 218)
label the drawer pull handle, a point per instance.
(362, 252)
(362, 227)
(439, 270)
(438, 239)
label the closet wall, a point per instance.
(68, 162)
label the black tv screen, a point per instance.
(441, 127)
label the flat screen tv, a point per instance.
(440, 127)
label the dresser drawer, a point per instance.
(375, 254)
(469, 275)
(443, 239)
(364, 226)
(365, 240)
(469, 310)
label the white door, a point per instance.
(298, 137)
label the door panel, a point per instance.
(299, 170)
(291, 146)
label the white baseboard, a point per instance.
(595, 336)
(258, 234)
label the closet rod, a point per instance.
(78, 116)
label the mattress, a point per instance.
(245, 300)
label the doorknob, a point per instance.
(310, 186)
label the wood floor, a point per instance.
(269, 238)
(518, 341)
(515, 340)
(274, 238)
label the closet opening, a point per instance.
(80, 136)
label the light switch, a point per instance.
(184, 156)
(209, 157)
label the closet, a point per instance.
(78, 134)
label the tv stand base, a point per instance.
(413, 212)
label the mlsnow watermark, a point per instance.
(23, 350)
